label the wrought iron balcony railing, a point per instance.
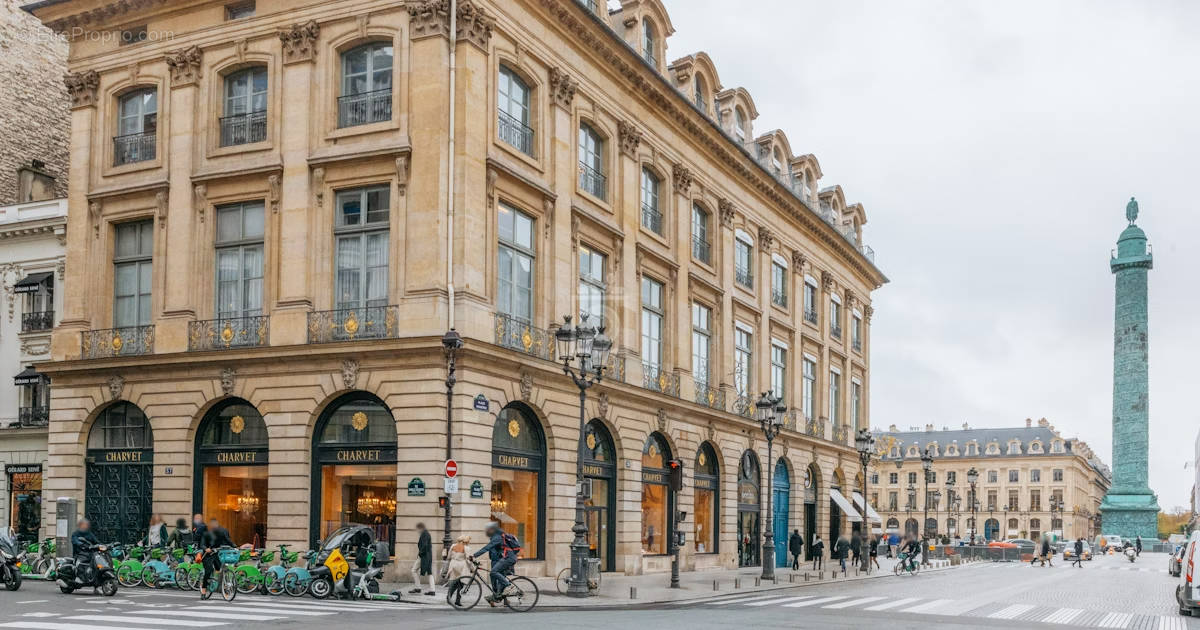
(712, 397)
(365, 108)
(614, 369)
(779, 298)
(243, 128)
(118, 342)
(810, 316)
(34, 416)
(658, 379)
(229, 332)
(836, 331)
(814, 427)
(353, 324)
(516, 133)
(840, 433)
(592, 181)
(744, 406)
(34, 322)
(516, 334)
(743, 276)
(701, 250)
(652, 218)
(134, 147)
(857, 345)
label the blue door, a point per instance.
(781, 486)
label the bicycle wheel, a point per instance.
(898, 568)
(467, 595)
(526, 597)
(128, 577)
(564, 581)
(149, 577)
(294, 586)
(229, 584)
(246, 583)
(273, 583)
(181, 579)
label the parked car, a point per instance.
(1025, 545)
(1187, 593)
(1175, 561)
(1069, 551)
(1111, 541)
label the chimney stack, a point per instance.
(1028, 422)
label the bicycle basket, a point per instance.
(229, 556)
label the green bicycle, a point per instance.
(224, 580)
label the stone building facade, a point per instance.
(35, 126)
(1032, 481)
(277, 209)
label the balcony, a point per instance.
(118, 342)
(243, 128)
(743, 276)
(711, 397)
(701, 250)
(592, 181)
(35, 322)
(744, 406)
(840, 433)
(515, 133)
(779, 298)
(657, 379)
(519, 335)
(365, 108)
(353, 324)
(134, 147)
(836, 331)
(810, 316)
(229, 332)
(34, 416)
(652, 218)
(614, 369)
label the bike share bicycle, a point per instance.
(224, 580)
(470, 589)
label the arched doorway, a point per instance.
(706, 500)
(354, 467)
(119, 488)
(991, 528)
(893, 525)
(657, 499)
(781, 487)
(811, 477)
(749, 528)
(230, 478)
(599, 466)
(910, 527)
(519, 478)
(931, 527)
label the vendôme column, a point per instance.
(1130, 508)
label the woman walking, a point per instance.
(457, 566)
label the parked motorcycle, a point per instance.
(1131, 553)
(10, 564)
(71, 575)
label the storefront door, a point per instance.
(519, 478)
(25, 500)
(230, 480)
(749, 529)
(119, 481)
(781, 487)
(749, 544)
(599, 466)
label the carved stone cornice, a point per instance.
(848, 295)
(629, 136)
(766, 238)
(103, 13)
(185, 66)
(681, 176)
(431, 18)
(474, 24)
(868, 312)
(300, 42)
(827, 280)
(82, 88)
(725, 208)
(798, 261)
(562, 88)
(200, 195)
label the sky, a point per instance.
(994, 146)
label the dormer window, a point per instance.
(913, 452)
(649, 51)
(993, 449)
(1036, 447)
(1056, 447)
(777, 161)
(739, 124)
(701, 89)
(1014, 447)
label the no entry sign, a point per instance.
(451, 468)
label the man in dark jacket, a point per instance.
(1139, 546)
(795, 546)
(1078, 553)
(83, 545)
(423, 566)
(503, 559)
(840, 549)
(199, 529)
(818, 551)
(214, 538)
(856, 549)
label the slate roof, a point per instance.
(983, 436)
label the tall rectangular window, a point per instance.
(366, 85)
(1013, 500)
(808, 395)
(652, 218)
(701, 342)
(137, 126)
(512, 104)
(701, 247)
(856, 406)
(779, 370)
(592, 285)
(992, 476)
(361, 229)
(1058, 474)
(1035, 500)
(1013, 476)
(835, 397)
(992, 500)
(810, 303)
(743, 360)
(779, 294)
(912, 478)
(743, 269)
(1035, 475)
(516, 264)
(245, 119)
(132, 273)
(835, 318)
(239, 256)
(591, 162)
(652, 324)
(856, 333)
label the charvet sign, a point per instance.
(365, 455)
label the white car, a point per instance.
(1187, 594)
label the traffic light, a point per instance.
(675, 474)
(443, 502)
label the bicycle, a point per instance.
(224, 580)
(563, 582)
(470, 589)
(903, 565)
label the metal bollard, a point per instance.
(737, 582)
(758, 581)
(806, 576)
(632, 592)
(716, 585)
(791, 578)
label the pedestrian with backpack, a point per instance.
(502, 550)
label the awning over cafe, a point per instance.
(871, 513)
(33, 282)
(27, 377)
(844, 505)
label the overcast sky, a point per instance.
(994, 146)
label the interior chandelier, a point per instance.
(372, 505)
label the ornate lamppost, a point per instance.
(769, 411)
(864, 442)
(949, 505)
(590, 346)
(451, 343)
(927, 465)
(912, 504)
(972, 479)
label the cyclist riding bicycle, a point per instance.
(215, 537)
(502, 550)
(910, 549)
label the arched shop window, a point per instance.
(354, 467)
(519, 477)
(230, 480)
(599, 466)
(707, 500)
(119, 485)
(656, 495)
(749, 529)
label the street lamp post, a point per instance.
(949, 505)
(451, 343)
(927, 465)
(591, 348)
(912, 504)
(972, 478)
(769, 411)
(864, 442)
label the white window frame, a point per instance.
(517, 252)
(142, 264)
(593, 289)
(244, 247)
(701, 343)
(808, 400)
(779, 361)
(652, 336)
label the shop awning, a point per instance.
(844, 505)
(871, 513)
(28, 376)
(33, 282)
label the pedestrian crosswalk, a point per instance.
(1000, 611)
(125, 614)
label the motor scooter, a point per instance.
(10, 563)
(70, 575)
(1131, 553)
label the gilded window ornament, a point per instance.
(514, 428)
(591, 441)
(358, 421)
(237, 424)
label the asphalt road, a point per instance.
(1107, 593)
